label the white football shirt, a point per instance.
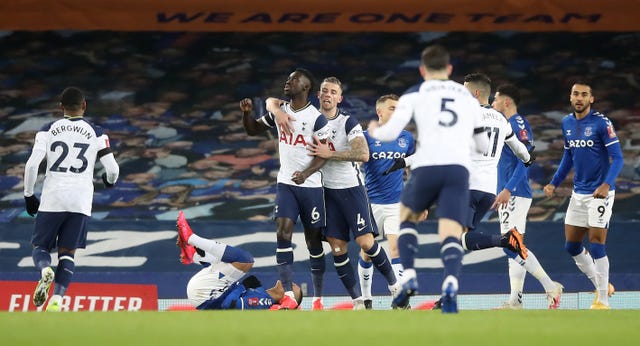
(293, 147)
(483, 175)
(446, 115)
(71, 147)
(342, 174)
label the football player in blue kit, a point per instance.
(220, 284)
(592, 149)
(384, 182)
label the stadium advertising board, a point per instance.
(17, 296)
(332, 15)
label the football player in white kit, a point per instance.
(299, 190)
(348, 210)
(484, 186)
(449, 124)
(71, 147)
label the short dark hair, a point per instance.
(309, 76)
(509, 90)
(481, 80)
(583, 82)
(478, 77)
(72, 98)
(435, 57)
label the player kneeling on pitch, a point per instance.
(218, 286)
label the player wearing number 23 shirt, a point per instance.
(71, 147)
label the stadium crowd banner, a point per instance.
(17, 296)
(331, 15)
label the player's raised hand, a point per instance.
(397, 164)
(246, 105)
(317, 148)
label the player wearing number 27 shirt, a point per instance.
(71, 147)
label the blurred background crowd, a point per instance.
(169, 103)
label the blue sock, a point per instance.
(509, 253)
(597, 250)
(235, 254)
(477, 240)
(318, 267)
(284, 259)
(381, 261)
(364, 264)
(407, 244)
(64, 272)
(41, 258)
(451, 253)
(346, 274)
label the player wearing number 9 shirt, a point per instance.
(592, 149)
(71, 147)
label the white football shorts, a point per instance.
(209, 284)
(586, 211)
(514, 214)
(387, 218)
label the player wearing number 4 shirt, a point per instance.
(71, 147)
(348, 210)
(592, 149)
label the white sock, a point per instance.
(407, 275)
(366, 280)
(397, 268)
(532, 265)
(517, 273)
(208, 245)
(602, 270)
(586, 265)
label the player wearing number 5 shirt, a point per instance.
(71, 147)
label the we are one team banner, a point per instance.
(328, 15)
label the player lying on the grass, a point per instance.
(218, 285)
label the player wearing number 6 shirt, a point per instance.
(299, 190)
(592, 149)
(71, 146)
(449, 124)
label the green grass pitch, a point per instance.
(348, 328)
